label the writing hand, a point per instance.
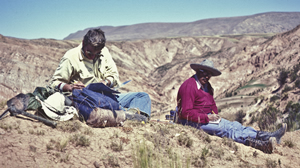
(213, 117)
(106, 82)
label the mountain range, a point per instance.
(271, 22)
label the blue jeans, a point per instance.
(233, 130)
(139, 100)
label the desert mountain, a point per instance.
(259, 87)
(272, 22)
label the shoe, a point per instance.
(264, 136)
(134, 111)
(265, 146)
(136, 117)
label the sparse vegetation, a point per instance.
(268, 118)
(5, 126)
(88, 131)
(297, 83)
(228, 94)
(80, 140)
(59, 145)
(142, 156)
(65, 158)
(2, 104)
(112, 161)
(293, 120)
(37, 132)
(283, 75)
(240, 116)
(274, 98)
(287, 88)
(230, 143)
(271, 163)
(289, 143)
(70, 126)
(201, 161)
(185, 141)
(116, 145)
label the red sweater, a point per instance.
(194, 104)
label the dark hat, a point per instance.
(206, 65)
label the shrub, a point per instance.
(274, 98)
(218, 153)
(116, 145)
(296, 67)
(289, 143)
(204, 152)
(228, 94)
(142, 156)
(70, 126)
(271, 163)
(2, 104)
(286, 89)
(185, 140)
(268, 118)
(112, 161)
(293, 76)
(293, 119)
(282, 76)
(297, 83)
(80, 140)
(59, 145)
(240, 116)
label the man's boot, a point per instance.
(265, 146)
(136, 115)
(264, 136)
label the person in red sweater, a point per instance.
(196, 107)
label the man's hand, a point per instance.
(70, 87)
(213, 117)
(78, 85)
(106, 82)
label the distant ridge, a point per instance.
(271, 22)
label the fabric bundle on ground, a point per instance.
(100, 117)
(95, 95)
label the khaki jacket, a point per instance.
(74, 67)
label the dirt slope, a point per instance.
(26, 143)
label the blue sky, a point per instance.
(31, 19)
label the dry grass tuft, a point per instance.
(80, 140)
(70, 126)
(116, 145)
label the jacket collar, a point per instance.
(80, 54)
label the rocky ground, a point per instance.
(27, 143)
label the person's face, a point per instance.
(91, 52)
(204, 77)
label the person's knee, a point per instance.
(144, 95)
